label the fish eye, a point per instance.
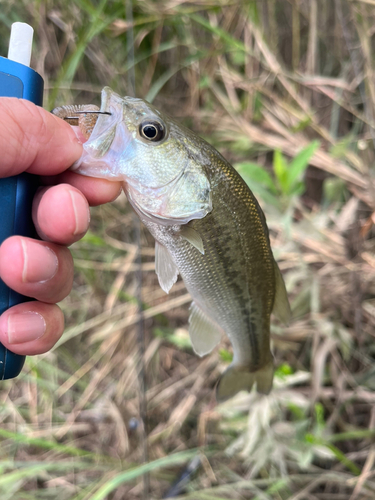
(152, 130)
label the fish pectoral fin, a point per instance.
(238, 378)
(193, 237)
(165, 268)
(281, 307)
(205, 334)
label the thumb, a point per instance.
(34, 140)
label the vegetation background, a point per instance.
(286, 91)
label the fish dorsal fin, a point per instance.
(193, 237)
(165, 268)
(281, 307)
(205, 334)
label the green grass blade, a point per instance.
(95, 26)
(163, 79)
(232, 42)
(129, 475)
(43, 443)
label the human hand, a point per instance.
(35, 141)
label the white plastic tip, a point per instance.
(21, 39)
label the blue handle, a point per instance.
(16, 196)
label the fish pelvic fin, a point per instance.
(238, 378)
(165, 268)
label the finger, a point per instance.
(96, 191)
(33, 139)
(61, 214)
(31, 327)
(36, 269)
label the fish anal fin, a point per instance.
(238, 378)
(204, 333)
(193, 237)
(281, 307)
(165, 268)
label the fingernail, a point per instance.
(39, 262)
(81, 212)
(25, 327)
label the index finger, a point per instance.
(34, 140)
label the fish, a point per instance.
(207, 225)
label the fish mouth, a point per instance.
(104, 117)
(93, 122)
(84, 117)
(103, 134)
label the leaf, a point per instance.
(257, 174)
(297, 189)
(280, 167)
(225, 355)
(262, 192)
(283, 370)
(300, 163)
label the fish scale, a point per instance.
(208, 227)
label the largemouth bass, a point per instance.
(207, 224)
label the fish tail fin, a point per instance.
(237, 378)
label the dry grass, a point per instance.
(252, 78)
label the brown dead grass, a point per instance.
(292, 72)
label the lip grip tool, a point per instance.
(17, 79)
